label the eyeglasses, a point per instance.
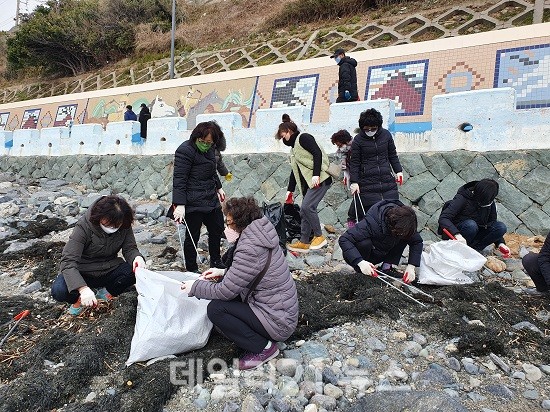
(229, 222)
(370, 129)
(210, 142)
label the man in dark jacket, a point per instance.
(388, 227)
(144, 116)
(129, 114)
(471, 216)
(347, 77)
(537, 266)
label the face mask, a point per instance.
(370, 134)
(109, 230)
(344, 148)
(337, 60)
(231, 235)
(203, 147)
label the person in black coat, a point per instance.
(537, 266)
(197, 192)
(347, 77)
(382, 236)
(144, 116)
(373, 163)
(471, 216)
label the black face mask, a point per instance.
(288, 142)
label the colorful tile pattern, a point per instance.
(459, 78)
(295, 91)
(526, 69)
(30, 119)
(65, 114)
(403, 82)
(4, 120)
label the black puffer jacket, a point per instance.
(195, 182)
(347, 77)
(371, 164)
(464, 207)
(374, 227)
(544, 260)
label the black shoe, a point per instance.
(217, 264)
(194, 269)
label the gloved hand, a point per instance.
(409, 275)
(399, 178)
(354, 188)
(289, 198)
(347, 95)
(460, 238)
(139, 262)
(228, 177)
(505, 250)
(315, 181)
(212, 274)
(179, 213)
(221, 195)
(187, 285)
(345, 181)
(367, 268)
(87, 296)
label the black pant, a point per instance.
(531, 265)
(213, 221)
(375, 256)
(237, 322)
(116, 282)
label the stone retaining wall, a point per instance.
(430, 179)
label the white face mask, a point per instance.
(109, 230)
(370, 134)
(231, 235)
(337, 59)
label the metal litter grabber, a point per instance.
(399, 290)
(200, 259)
(413, 288)
(18, 318)
(355, 206)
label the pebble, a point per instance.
(532, 373)
(287, 366)
(91, 396)
(545, 404)
(531, 394)
(518, 375)
(332, 391)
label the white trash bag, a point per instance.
(446, 261)
(168, 322)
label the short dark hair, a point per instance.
(204, 129)
(129, 107)
(341, 136)
(243, 210)
(401, 221)
(370, 117)
(114, 209)
(485, 191)
(285, 126)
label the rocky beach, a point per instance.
(360, 345)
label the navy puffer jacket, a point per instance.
(373, 162)
(195, 182)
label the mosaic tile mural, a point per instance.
(65, 114)
(459, 78)
(526, 69)
(30, 119)
(404, 82)
(295, 91)
(4, 120)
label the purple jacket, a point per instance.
(275, 300)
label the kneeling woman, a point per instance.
(255, 304)
(90, 257)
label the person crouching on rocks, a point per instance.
(309, 168)
(537, 266)
(256, 303)
(90, 257)
(388, 227)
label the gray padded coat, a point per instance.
(275, 300)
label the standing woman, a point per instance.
(309, 168)
(144, 116)
(90, 257)
(197, 192)
(373, 163)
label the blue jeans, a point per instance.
(479, 237)
(116, 282)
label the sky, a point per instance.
(8, 8)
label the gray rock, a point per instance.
(329, 376)
(412, 163)
(308, 388)
(287, 366)
(527, 325)
(323, 401)
(420, 339)
(532, 394)
(509, 218)
(513, 264)
(282, 404)
(435, 163)
(311, 350)
(5, 199)
(512, 198)
(534, 186)
(89, 200)
(518, 375)
(91, 396)
(454, 364)
(500, 363)
(314, 260)
(545, 369)
(502, 391)
(448, 187)
(479, 166)
(251, 404)
(159, 240)
(288, 386)
(143, 237)
(532, 373)
(19, 246)
(293, 354)
(470, 367)
(545, 404)
(430, 202)
(110, 391)
(536, 220)
(200, 403)
(411, 349)
(407, 401)
(435, 375)
(152, 210)
(332, 391)
(375, 344)
(231, 407)
(295, 263)
(33, 287)
(476, 397)
(417, 186)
